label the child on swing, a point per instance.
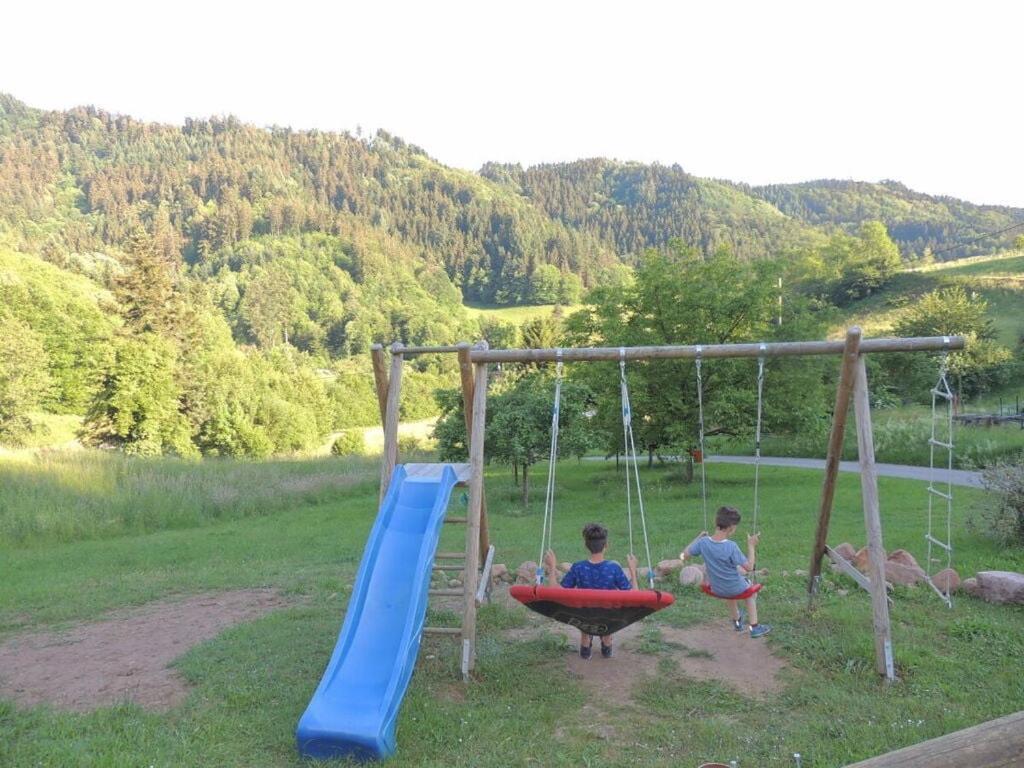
(594, 573)
(723, 562)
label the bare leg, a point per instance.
(752, 609)
(734, 609)
(585, 640)
(606, 641)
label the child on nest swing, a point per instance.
(594, 573)
(723, 562)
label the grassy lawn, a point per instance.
(998, 279)
(305, 537)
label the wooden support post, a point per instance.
(872, 522)
(380, 379)
(476, 498)
(995, 744)
(466, 377)
(391, 420)
(835, 452)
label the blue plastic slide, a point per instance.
(354, 709)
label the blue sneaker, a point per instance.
(760, 630)
(585, 651)
(606, 651)
(737, 624)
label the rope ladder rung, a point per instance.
(937, 543)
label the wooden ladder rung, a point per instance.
(442, 630)
(451, 567)
(446, 592)
(461, 520)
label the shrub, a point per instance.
(409, 444)
(1003, 517)
(351, 442)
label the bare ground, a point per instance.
(713, 651)
(125, 656)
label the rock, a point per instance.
(526, 573)
(970, 586)
(498, 572)
(1000, 586)
(947, 580)
(564, 567)
(846, 551)
(904, 575)
(862, 559)
(691, 574)
(454, 582)
(799, 572)
(666, 567)
(785, 574)
(903, 557)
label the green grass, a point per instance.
(63, 496)
(515, 315)
(251, 683)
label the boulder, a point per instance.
(691, 574)
(666, 567)
(861, 560)
(903, 557)
(904, 575)
(498, 572)
(947, 580)
(526, 573)
(970, 586)
(846, 551)
(1001, 587)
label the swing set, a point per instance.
(604, 611)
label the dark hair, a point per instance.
(595, 537)
(726, 517)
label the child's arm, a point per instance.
(631, 562)
(686, 552)
(551, 566)
(752, 540)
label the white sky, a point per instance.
(929, 93)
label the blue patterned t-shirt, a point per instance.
(604, 575)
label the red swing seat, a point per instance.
(750, 591)
(593, 611)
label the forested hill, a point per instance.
(634, 206)
(82, 180)
(915, 221)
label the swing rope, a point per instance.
(630, 448)
(549, 496)
(941, 390)
(700, 439)
(757, 436)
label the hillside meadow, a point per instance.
(110, 533)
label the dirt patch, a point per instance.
(713, 651)
(124, 657)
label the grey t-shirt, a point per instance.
(721, 558)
